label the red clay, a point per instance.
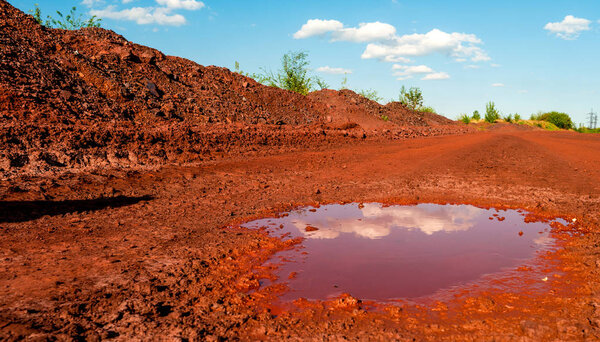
(163, 266)
(119, 172)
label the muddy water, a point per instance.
(394, 252)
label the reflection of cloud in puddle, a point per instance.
(543, 240)
(378, 221)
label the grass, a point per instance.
(541, 124)
(588, 130)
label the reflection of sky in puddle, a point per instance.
(377, 222)
(384, 252)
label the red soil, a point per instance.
(96, 245)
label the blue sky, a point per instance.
(526, 56)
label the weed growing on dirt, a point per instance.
(508, 118)
(370, 94)
(491, 113)
(427, 109)
(412, 98)
(385, 118)
(292, 76)
(465, 118)
(541, 124)
(587, 130)
(536, 117)
(476, 116)
(321, 83)
(344, 84)
(71, 21)
(517, 117)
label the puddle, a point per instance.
(382, 253)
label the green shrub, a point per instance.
(412, 98)
(370, 94)
(427, 109)
(71, 21)
(466, 119)
(292, 76)
(385, 118)
(322, 84)
(517, 117)
(491, 113)
(560, 120)
(476, 116)
(535, 117)
(508, 118)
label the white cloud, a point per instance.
(190, 5)
(407, 71)
(142, 15)
(497, 84)
(413, 69)
(436, 76)
(385, 45)
(317, 27)
(91, 3)
(162, 15)
(378, 222)
(365, 32)
(458, 45)
(494, 65)
(472, 66)
(569, 28)
(335, 71)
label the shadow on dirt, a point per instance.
(22, 211)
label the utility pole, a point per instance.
(593, 119)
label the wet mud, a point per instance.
(169, 266)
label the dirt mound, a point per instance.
(90, 98)
(347, 107)
(95, 73)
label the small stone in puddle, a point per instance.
(311, 228)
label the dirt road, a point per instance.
(142, 255)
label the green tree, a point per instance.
(560, 120)
(370, 94)
(491, 113)
(476, 116)
(412, 98)
(71, 21)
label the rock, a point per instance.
(311, 229)
(153, 89)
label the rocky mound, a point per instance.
(347, 107)
(97, 74)
(90, 98)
